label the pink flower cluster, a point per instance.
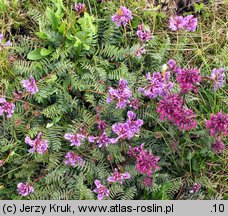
(118, 177)
(79, 7)
(196, 187)
(188, 79)
(135, 152)
(122, 16)
(73, 159)
(218, 146)
(171, 107)
(6, 107)
(38, 145)
(218, 124)
(30, 85)
(101, 190)
(122, 96)
(189, 23)
(159, 85)
(24, 189)
(75, 139)
(146, 162)
(140, 51)
(128, 129)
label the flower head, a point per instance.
(190, 23)
(196, 187)
(146, 162)
(75, 139)
(122, 17)
(135, 152)
(79, 7)
(121, 95)
(6, 44)
(143, 34)
(218, 124)
(218, 146)
(148, 181)
(40, 145)
(218, 77)
(30, 85)
(172, 64)
(24, 189)
(134, 103)
(159, 85)
(118, 177)
(188, 79)
(140, 51)
(176, 23)
(73, 159)
(6, 107)
(101, 190)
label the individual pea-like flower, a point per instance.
(176, 23)
(121, 95)
(196, 187)
(6, 107)
(146, 162)
(190, 23)
(102, 140)
(218, 77)
(158, 85)
(38, 145)
(188, 80)
(6, 44)
(134, 103)
(24, 189)
(73, 159)
(75, 139)
(218, 146)
(30, 85)
(172, 64)
(140, 51)
(101, 190)
(79, 7)
(118, 176)
(218, 124)
(135, 151)
(122, 16)
(143, 34)
(133, 123)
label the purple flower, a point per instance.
(79, 7)
(121, 95)
(190, 23)
(172, 64)
(140, 51)
(73, 159)
(176, 23)
(143, 34)
(145, 163)
(135, 152)
(134, 103)
(8, 43)
(30, 85)
(75, 139)
(185, 119)
(102, 125)
(6, 107)
(218, 77)
(101, 190)
(159, 85)
(218, 146)
(40, 145)
(122, 16)
(102, 140)
(24, 189)
(196, 187)
(118, 177)
(168, 105)
(188, 79)
(148, 181)
(128, 129)
(218, 124)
